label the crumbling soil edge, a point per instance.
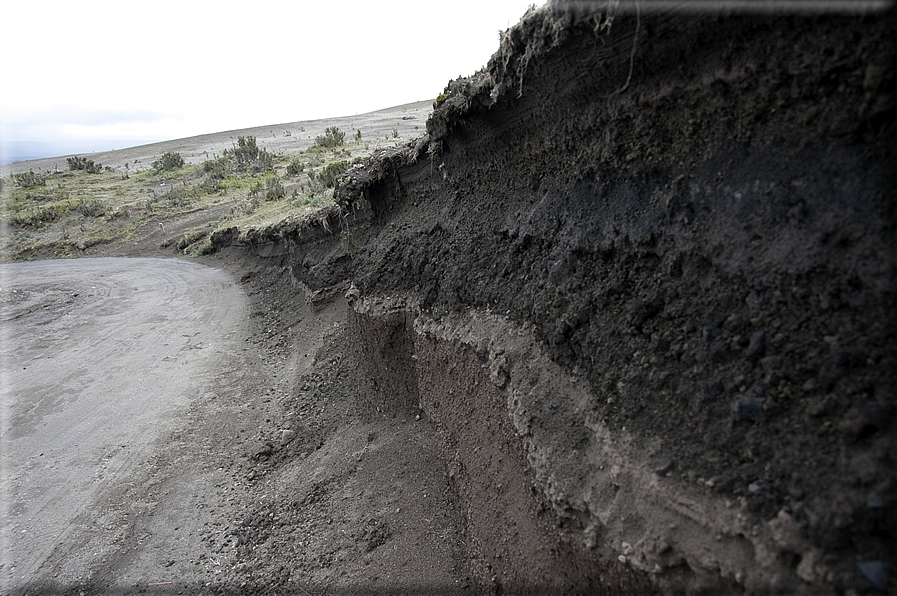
(721, 244)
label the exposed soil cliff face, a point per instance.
(640, 274)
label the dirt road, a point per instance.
(100, 358)
(168, 430)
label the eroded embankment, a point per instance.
(641, 275)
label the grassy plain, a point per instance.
(58, 212)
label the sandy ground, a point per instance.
(100, 357)
(171, 427)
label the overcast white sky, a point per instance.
(166, 69)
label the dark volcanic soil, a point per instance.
(621, 322)
(640, 275)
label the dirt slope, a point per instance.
(640, 276)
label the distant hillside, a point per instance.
(21, 156)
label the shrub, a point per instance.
(245, 151)
(182, 195)
(47, 196)
(439, 100)
(295, 168)
(30, 179)
(76, 163)
(169, 161)
(332, 137)
(91, 208)
(87, 165)
(331, 173)
(276, 190)
(211, 185)
(218, 169)
(250, 158)
(36, 216)
(263, 163)
(358, 135)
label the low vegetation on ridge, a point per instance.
(59, 213)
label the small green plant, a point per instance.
(182, 195)
(256, 189)
(358, 135)
(295, 168)
(211, 186)
(47, 196)
(91, 208)
(332, 137)
(83, 164)
(36, 216)
(264, 162)
(249, 157)
(169, 161)
(218, 169)
(331, 173)
(29, 179)
(245, 152)
(276, 190)
(395, 133)
(439, 100)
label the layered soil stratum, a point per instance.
(620, 322)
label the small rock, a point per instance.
(662, 464)
(286, 436)
(264, 450)
(875, 502)
(498, 373)
(80, 246)
(863, 420)
(715, 388)
(876, 572)
(806, 569)
(749, 409)
(757, 346)
(711, 332)
(752, 300)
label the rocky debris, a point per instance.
(876, 572)
(756, 346)
(263, 451)
(750, 410)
